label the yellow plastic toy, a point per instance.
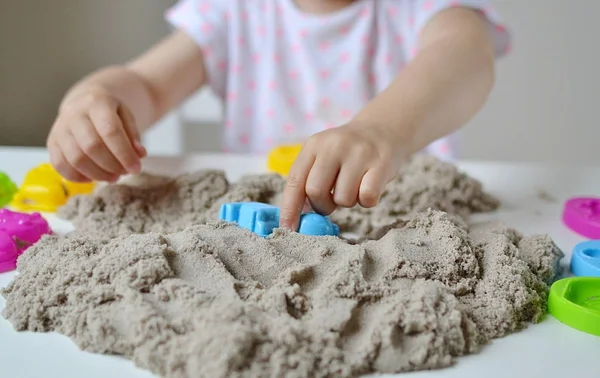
(280, 159)
(44, 189)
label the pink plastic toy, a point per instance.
(18, 231)
(582, 215)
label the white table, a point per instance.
(546, 350)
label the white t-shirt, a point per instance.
(285, 74)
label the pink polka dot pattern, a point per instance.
(204, 7)
(289, 128)
(345, 85)
(285, 75)
(324, 46)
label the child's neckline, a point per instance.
(291, 4)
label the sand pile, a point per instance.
(164, 204)
(217, 301)
(150, 275)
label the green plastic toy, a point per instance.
(575, 301)
(7, 189)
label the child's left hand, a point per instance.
(340, 167)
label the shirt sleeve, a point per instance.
(423, 10)
(206, 22)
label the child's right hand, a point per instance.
(94, 138)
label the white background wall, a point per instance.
(544, 106)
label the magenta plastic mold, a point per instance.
(18, 231)
(582, 215)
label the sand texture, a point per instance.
(151, 275)
(163, 204)
(215, 300)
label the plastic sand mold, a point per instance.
(582, 215)
(7, 189)
(575, 301)
(262, 218)
(585, 260)
(44, 189)
(280, 159)
(18, 231)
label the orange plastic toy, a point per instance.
(44, 189)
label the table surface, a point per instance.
(532, 196)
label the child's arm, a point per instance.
(444, 86)
(96, 135)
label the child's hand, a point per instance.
(95, 138)
(340, 167)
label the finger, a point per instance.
(372, 186)
(93, 146)
(294, 195)
(319, 184)
(348, 183)
(140, 149)
(62, 166)
(132, 131)
(111, 130)
(81, 162)
(307, 208)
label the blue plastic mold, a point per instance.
(585, 260)
(262, 218)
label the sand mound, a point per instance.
(215, 300)
(162, 204)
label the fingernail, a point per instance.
(134, 168)
(141, 150)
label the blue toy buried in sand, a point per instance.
(262, 218)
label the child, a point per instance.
(365, 83)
